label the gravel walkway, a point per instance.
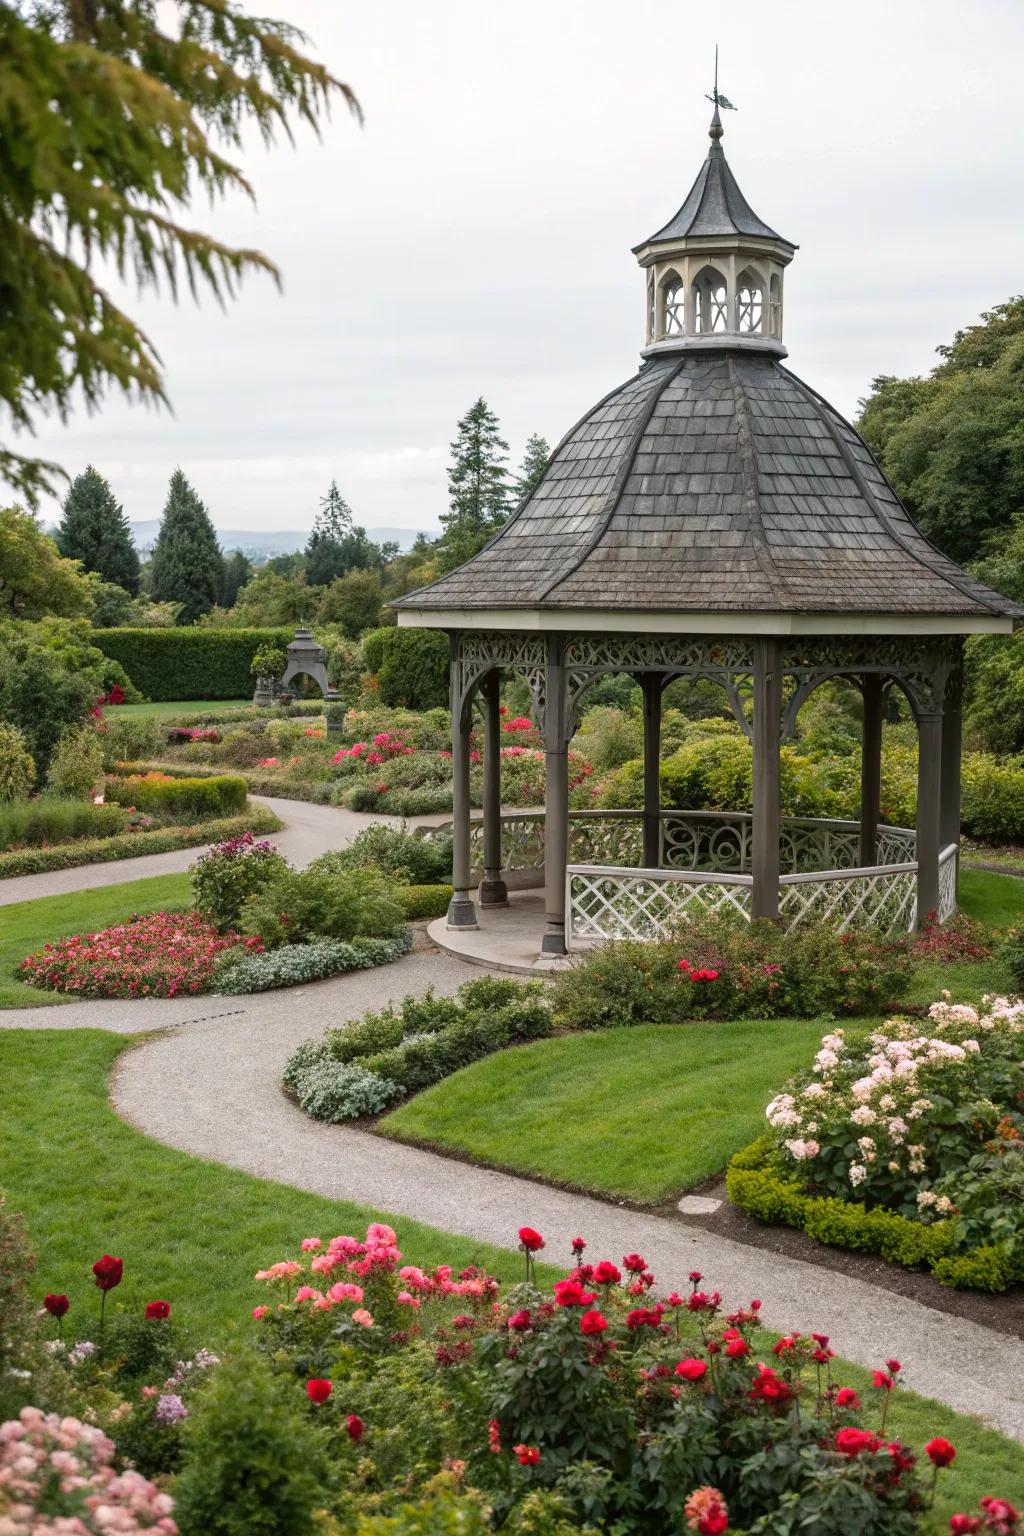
(307, 831)
(212, 1088)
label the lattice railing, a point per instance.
(947, 882)
(883, 897)
(604, 903)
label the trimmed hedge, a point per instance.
(422, 900)
(216, 795)
(188, 663)
(756, 1185)
(129, 845)
(265, 783)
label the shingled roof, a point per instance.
(714, 206)
(713, 482)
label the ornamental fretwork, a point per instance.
(479, 651)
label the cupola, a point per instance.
(715, 270)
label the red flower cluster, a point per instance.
(529, 1240)
(528, 1455)
(108, 1272)
(318, 1390)
(157, 1311)
(998, 1517)
(160, 954)
(704, 973)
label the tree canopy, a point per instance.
(113, 114)
(94, 529)
(35, 579)
(478, 486)
(187, 566)
(535, 460)
(953, 443)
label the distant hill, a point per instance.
(262, 544)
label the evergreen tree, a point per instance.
(94, 530)
(535, 459)
(478, 489)
(336, 546)
(237, 571)
(187, 566)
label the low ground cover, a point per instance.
(25, 926)
(161, 710)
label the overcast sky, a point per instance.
(474, 236)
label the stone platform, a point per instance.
(508, 938)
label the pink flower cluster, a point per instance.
(385, 746)
(56, 1479)
(160, 954)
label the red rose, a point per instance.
(519, 1320)
(606, 1273)
(714, 1522)
(108, 1272)
(317, 1390)
(1000, 1515)
(158, 1309)
(695, 1277)
(593, 1322)
(692, 1370)
(853, 1442)
(737, 1348)
(963, 1525)
(577, 1245)
(821, 1339)
(530, 1240)
(569, 1293)
(528, 1455)
(846, 1397)
(635, 1263)
(893, 1367)
(902, 1459)
(56, 1305)
(354, 1425)
(939, 1452)
(883, 1380)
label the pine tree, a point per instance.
(535, 460)
(478, 490)
(336, 546)
(187, 565)
(94, 529)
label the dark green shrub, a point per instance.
(299, 905)
(992, 805)
(422, 901)
(1011, 952)
(618, 985)
(76, 767)
(184, 799)
(130, 738)
(397, 852)
(411, 666)
(17, 769)
(186, 662)
(986, 1269)
(225, 877)
(256, 1462)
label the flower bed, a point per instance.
(910, 1143)
(162, 795)
(161, 954)
(294, 964)
(128, 845)
(365, 1067)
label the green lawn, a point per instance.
(194, 1233)
(169, 710)
(26, 926)
(996, 900)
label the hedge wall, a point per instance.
(185, 663)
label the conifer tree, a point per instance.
(94, 530)
(237, 572)
(478, 489)
(535, 459)
(187, 566)
(336, 546)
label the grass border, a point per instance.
(133, 845)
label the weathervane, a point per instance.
(716, 95)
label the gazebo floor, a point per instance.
(508, 938)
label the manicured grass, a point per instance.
(996, 900)
(26, 926)
(191, 1232)
(194, 1233)
(164, 710)
(640, 1113)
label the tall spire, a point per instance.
(716, 130)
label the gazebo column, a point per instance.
(651, 684)
(870, 768)
(556, 798)
(766, 818)
(461, 911)
(929, 793)
(493, 891)
(952, 731)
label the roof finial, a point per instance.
(716, 130)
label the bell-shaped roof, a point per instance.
(714, 205)
(714, 482)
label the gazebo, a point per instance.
(715, 518)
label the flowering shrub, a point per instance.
(160, 954)
(56, 1475)
(925, 1119)
(173, 798)
(597, 1405)
(720, 969)
(178, 734)
(227, 874)
(365, 1067)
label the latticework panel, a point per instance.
(947, 884)
(882, 898)
(620, 904)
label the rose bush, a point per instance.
(924, 1118)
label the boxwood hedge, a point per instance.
(188, 663)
